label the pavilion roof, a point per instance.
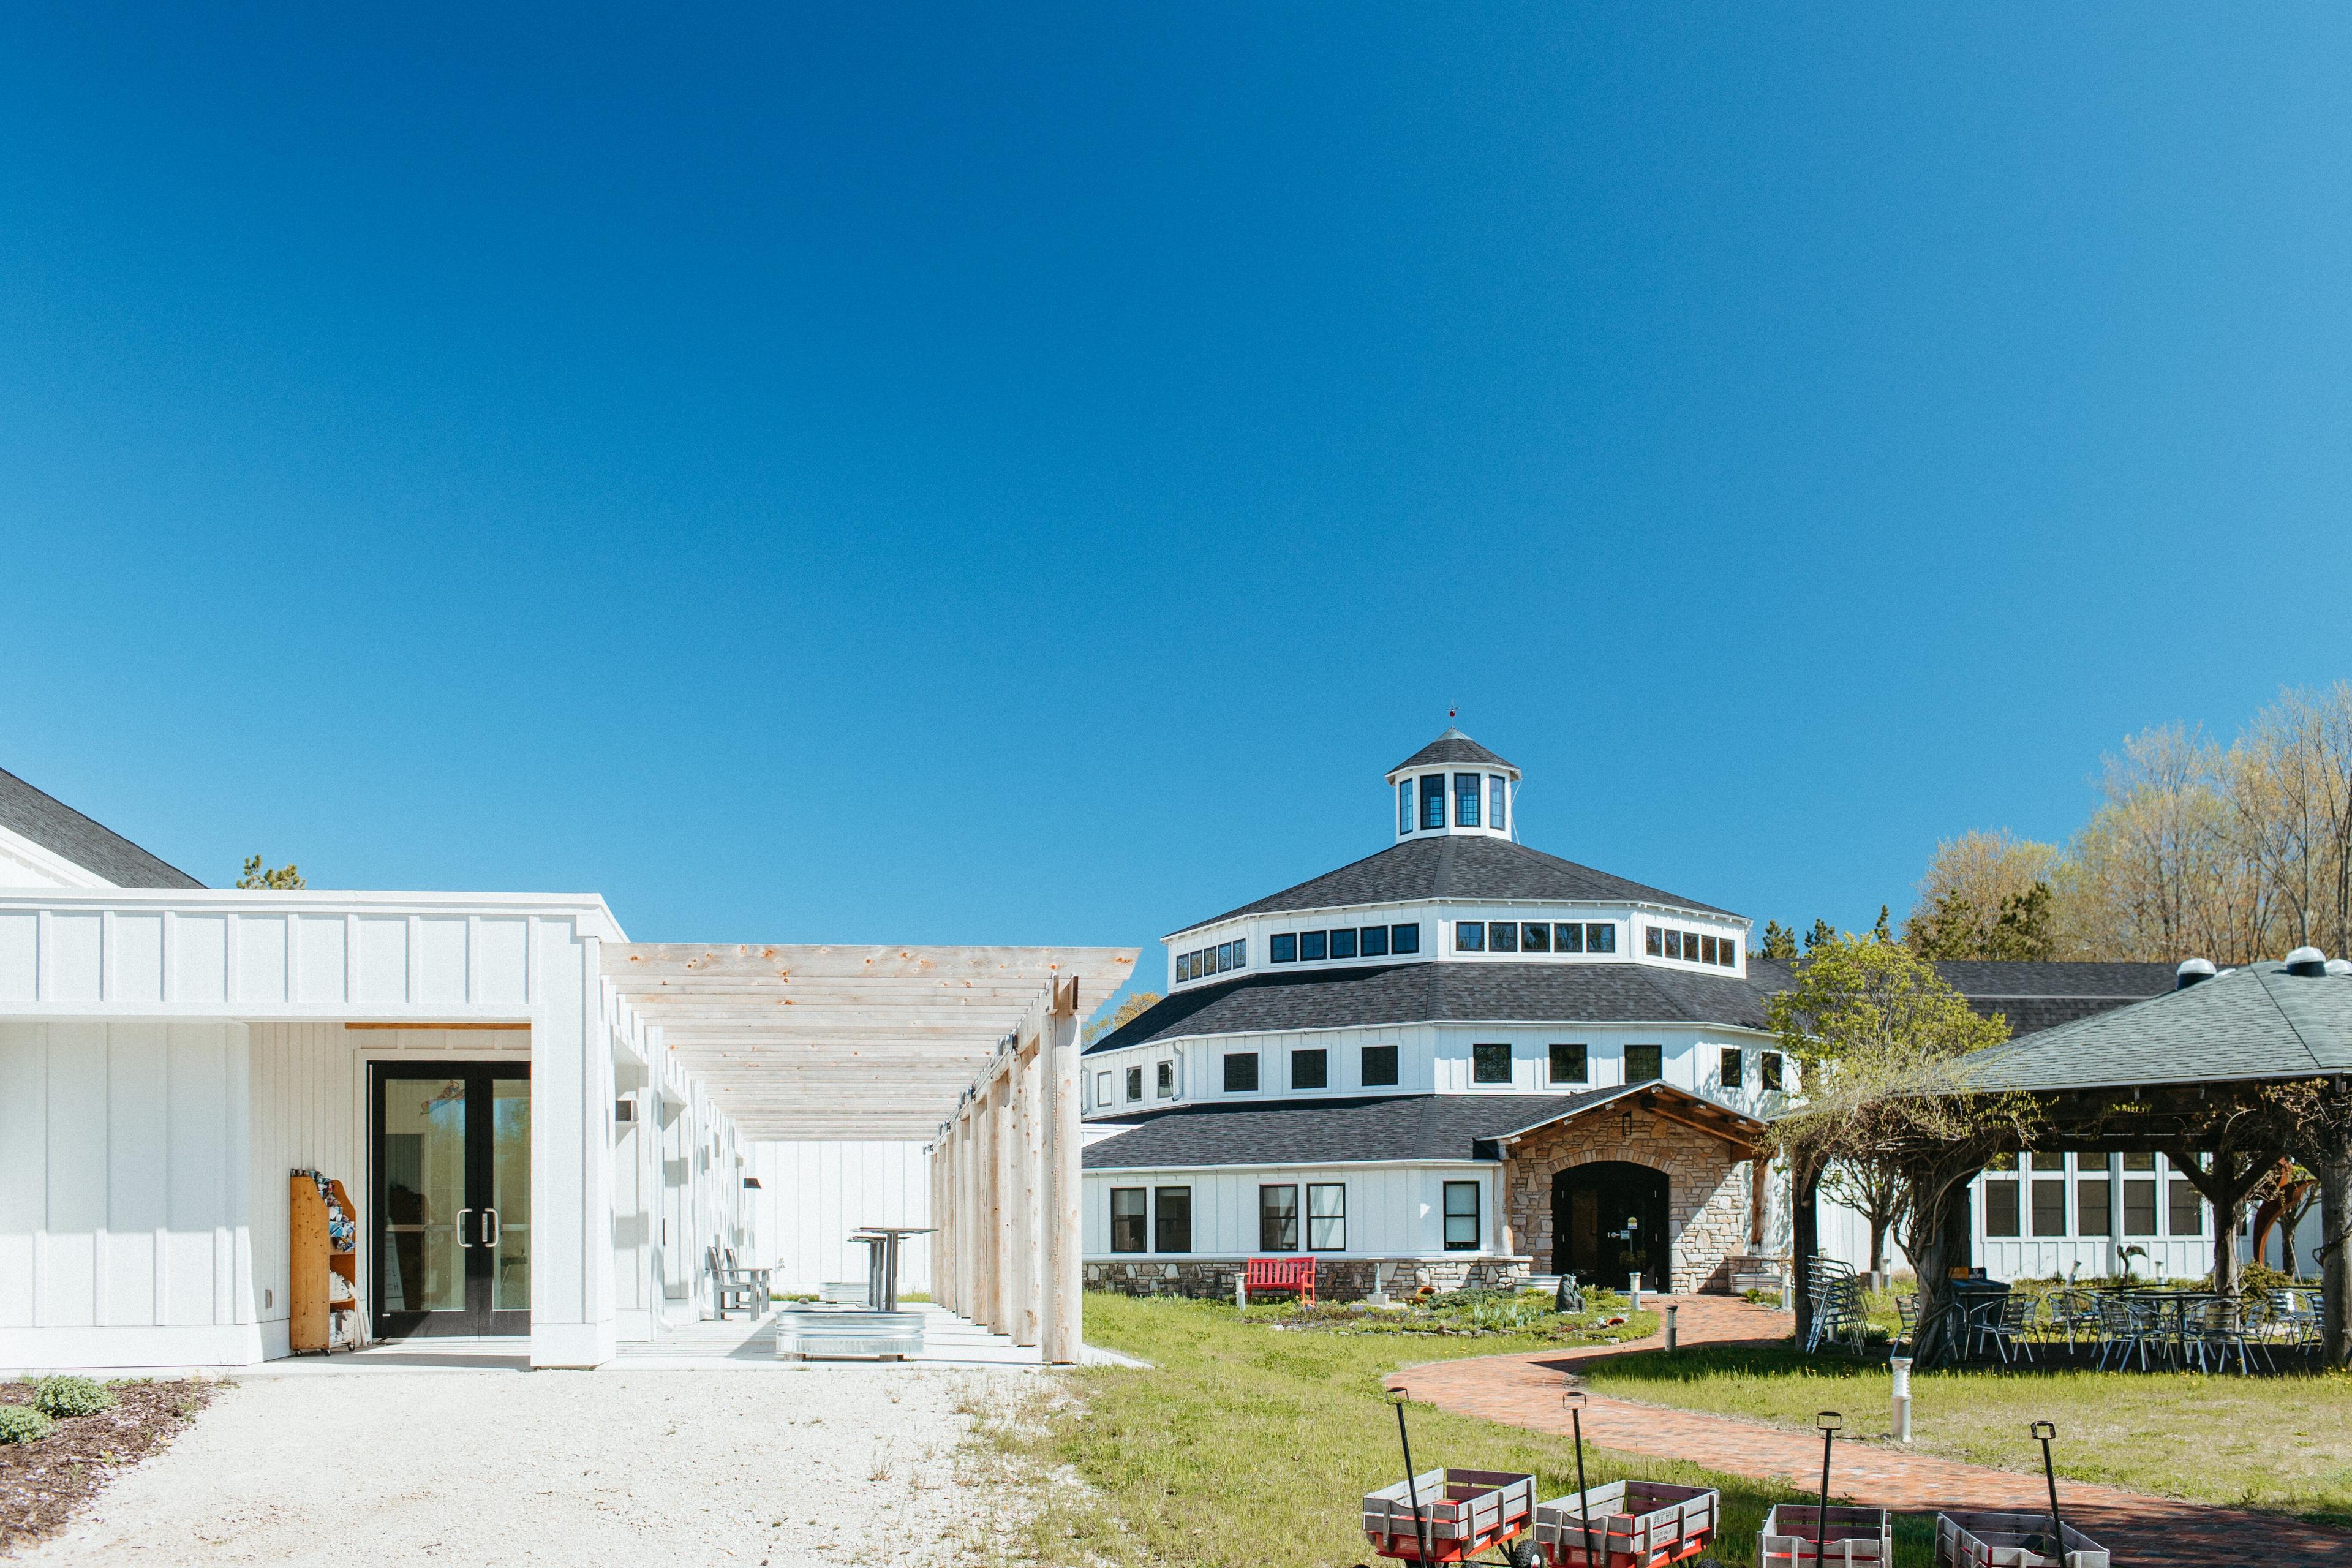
(2249, 1023)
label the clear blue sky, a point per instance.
(946, 476)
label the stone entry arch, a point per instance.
(1608, 1219)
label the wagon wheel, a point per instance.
(1522, 1553)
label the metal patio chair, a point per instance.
(2125, 1328)
(2004, 1323)
(2073, 1312)
(2221, 1332)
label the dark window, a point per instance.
(2139, 1195)
(2092, 1215)
(1568, 1064)
(2049, 1200)
(1432, 800)
(1126, 1219)
(1535, 937)
(1191, 966)
(1241, 953)
(1497, 795)
(1460, 1216)
(1135, 1083)
(1375, 941)
(1379, 1065)
(1726, 952)
(1327, 1216)
(1469, 936)
(1171, 1219)
(1164, 1081)
(1767, 1070)
(1601, 937)
(1240, 1072)
(1283, 949)
(1732, 1068)
(1707, 950)
(1277, 1218)
(1490, 1064)
(1404, 939)
(1404, 806)
(1503, 936)
(1674, 945)
(1465, 800)
(1641, 1063)
(1567, 937)
(1343, 942)
(2188, 1216)
(1310, 946)
(2001, 1208)
(1310, 1069)
(1224, 956)
(1653, 941)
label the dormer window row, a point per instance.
(1202, 962)
(1535, 936)
(1690, 946)
(1342, 941)
(1474, 800)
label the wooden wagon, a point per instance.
(1463, 1512)
(1634, 1524)
(1848, 1538)
(2010, 1541)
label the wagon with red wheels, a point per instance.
(1461, 1514)
(1628, 1524)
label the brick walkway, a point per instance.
(1525, 1390)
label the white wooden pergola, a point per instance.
(972, 1048)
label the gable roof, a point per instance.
(63, 831)
(2259, 1022)
(1452, 746)
(1441, 992)
(1459, 866)
(1351, 1131)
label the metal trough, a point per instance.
(891, 1336)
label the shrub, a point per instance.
(23, 1423)
(65, 1396)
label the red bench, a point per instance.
(1280, 1274)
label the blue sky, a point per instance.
(946, 476)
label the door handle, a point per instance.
(491, 1227)
(462, 1242)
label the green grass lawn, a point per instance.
(2282, 1442)
(1249, 1445)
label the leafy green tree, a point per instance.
(1880, 931)
(1780, 942)
(282, 878)
(1819, 934)
(1881, 1040)
(2024, 930)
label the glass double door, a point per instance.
(452, 1177)
(1609, 1222)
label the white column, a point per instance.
(1064, 1281)
(572, 1322)
(1027, 1152)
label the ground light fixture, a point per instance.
(1830, 1422)
(1574, 1399)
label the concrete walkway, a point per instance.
(1525, 1390)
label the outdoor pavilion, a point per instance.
(2199, 1067)
(809, 1043)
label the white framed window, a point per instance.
(1327, 1216)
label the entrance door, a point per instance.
(452, 1177)
(1608, 1219)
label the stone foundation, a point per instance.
(1336, 1279)
(1707, 1189)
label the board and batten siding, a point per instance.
(814, 1195)
(1393, 1210)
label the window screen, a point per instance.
(1310, 1069)
(1327, 1216)
(1126, 1219)
(1240, 1072)
(1277, 1218)
(2093, 1216)
(1490, 1064)
(1460, 1216)
(1642, 1063)
(2188, 1216)
(1379, 1066)
(2000, 1207)
(2139, 1195)
(2049, 1202)
(1172, 1219)
(1733, 1063)
(1568, 1064)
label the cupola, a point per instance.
(1454, 785)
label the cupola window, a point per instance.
(1465, 800)
(1432, 800)
(1498, 802)
(1404, 806)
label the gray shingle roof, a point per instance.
(2259, 1022)
(60, 829)
(1329, 1132)
(1449, 866)
(1454, 746)
(1438, 992)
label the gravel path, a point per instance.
(820, 1464)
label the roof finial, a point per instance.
(1453, 710)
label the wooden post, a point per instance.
(1028, 1155)
(1004, 1295)
(968, 1212)
(2333, 1166)
(1065, 1272)
(1804, 1239)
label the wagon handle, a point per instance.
(2042, 1432)
(1574, 1399)
(1829, 1422)
(1400, 1397)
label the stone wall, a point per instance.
(1707, 1189)
(1336, 1279)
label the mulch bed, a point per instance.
(42, 1484)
